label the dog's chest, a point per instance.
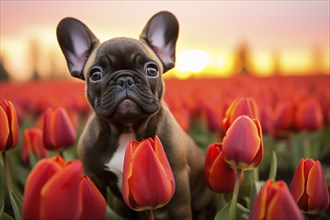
(116, 163)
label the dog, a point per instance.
(124, 87)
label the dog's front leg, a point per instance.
(179, 207)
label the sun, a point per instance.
(191, 61)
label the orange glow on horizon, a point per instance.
(190, 63)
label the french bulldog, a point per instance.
(124, 87)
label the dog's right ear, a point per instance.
(77, 42)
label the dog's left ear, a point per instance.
(161, 33)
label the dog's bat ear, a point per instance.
(77, 42)
(161, 33)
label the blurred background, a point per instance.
(217, 38)
(276, 52)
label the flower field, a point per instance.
(291, 138)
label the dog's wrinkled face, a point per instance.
(124, 81)
(123, 75)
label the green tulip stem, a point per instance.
(150, 214)
(61, 154)
(232, 209)
(307, 146)
(7, 171)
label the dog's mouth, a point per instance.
(127, 111)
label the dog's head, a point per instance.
(123, 75)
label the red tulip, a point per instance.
(58, 131)
(240, 106)
(61, 195)
(93, 203)
(8, 126)
(283, 115)
(274, 201)
(43, 171)
(242, 145)
(213, 115)
(219, 176)
(309, 187)
(33, 141)
(148, 181)
(55, 189)
(309, 115)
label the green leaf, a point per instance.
(5, 216)
(273, 167)
(242, 209)
(254, 191)
(223, 214)
(110, 214)
(2, 207)
(16, 205)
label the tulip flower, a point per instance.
(58, 131)
(284, 115)
(33, 141)
(309, 187)
(55, 189)
(148, 181)
(309, 115)
(242, 145)
(212, 117)
(219, 176)
(274, 201)
(8, 126)
(240, 106)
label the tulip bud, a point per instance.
(148, 181)
(309, 187)
(240, 106)
(309, 115)
(8, 126)
(33, 141)
(58, 131)
(242, 145)
(53, 191)
(274, 201)
(219, 176)
(283, 116)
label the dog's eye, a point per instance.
(151, 70)
(96, 74)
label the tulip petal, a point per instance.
(93, 203)
(259, 156)
(60, 196)
(221, 177)
(47, 124)
(41, 173)
(297, 186)
(13, 125)
(4, 129)
(149, 185)
(27, 143)
(161, 155)
(241, 143)
(212, 153)
(127, 170)
(317, 190)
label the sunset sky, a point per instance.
(296, 33)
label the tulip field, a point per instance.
(266, 142)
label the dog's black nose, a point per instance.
(125, 81)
